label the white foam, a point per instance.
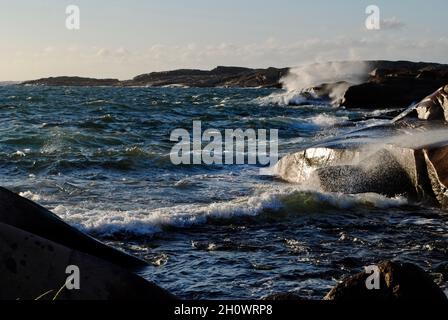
(30, 196)
(327, 120)
(268, 199)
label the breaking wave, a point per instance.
(278, 203)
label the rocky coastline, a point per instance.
(386, 84)
(36, 246)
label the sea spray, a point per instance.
(301, 83)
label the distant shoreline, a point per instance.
(218, 77)
(386, 84)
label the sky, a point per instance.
(121, 39)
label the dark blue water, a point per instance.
(99, 158)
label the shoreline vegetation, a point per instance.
(36, 246)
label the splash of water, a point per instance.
(302, 82)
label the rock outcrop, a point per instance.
(388, 170)
(437, 166)
(398, 282)
(420, 174)
(417, 169)
(36, 247)
(435, 106)
(29, 216)
(396, 84)
(33, 267)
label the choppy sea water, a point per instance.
(99, 158)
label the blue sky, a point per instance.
(124, 38)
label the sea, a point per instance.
(99, 158)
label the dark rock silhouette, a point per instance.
(396, 84)
(31, 266)
(218, 77)
(398, 282)
(29, 216)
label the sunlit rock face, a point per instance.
(389, 170)
(435, 106)
(300, 167)
(419, 174)
(437, 165)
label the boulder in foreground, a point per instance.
(388, 170)
(31, 266)
(398, 282)
(29, 216)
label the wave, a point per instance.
(266, 203)
(327, 120)
(288, 98)
(31, 196)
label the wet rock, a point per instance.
(31, 266)
(435, 106)
(379, 173)
(437, 165)
(389, 170)
(29, 216)
(396, 84)
(300, 167)
(398, 282)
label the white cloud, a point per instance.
(125, 63)
(392, 23)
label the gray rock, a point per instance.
(29, 216)
(390, 170)
(437, 165)
(31, 266)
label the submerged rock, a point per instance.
(29, 216)
(398, 282)
(31, 266)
